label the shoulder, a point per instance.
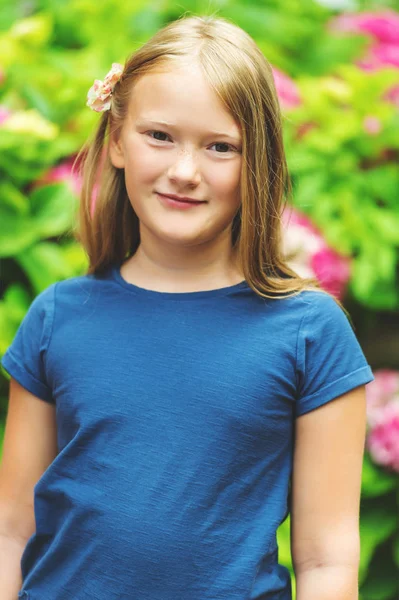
(322, 307)
(77, 290)
(71, 292)
(311, 305)
(317, 299)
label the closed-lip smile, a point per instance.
(180, 198)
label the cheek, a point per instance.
(141, 166)
(226, 182)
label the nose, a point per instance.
(185, 169)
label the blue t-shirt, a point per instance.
(175, 418)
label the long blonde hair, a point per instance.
(241, 76)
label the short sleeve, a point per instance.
(330, 361)
(25, 359)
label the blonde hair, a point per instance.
(241, 76)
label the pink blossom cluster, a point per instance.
(382, 396)
(383, 30)
(381, 27)
(287, 91)
(4, 114)
(64, 172)
(309, 255)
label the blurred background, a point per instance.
(336, 67)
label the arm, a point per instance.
(30, 445)
(326, 484)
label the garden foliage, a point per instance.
(337, 79)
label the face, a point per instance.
(179, 139)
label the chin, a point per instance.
(183, 241)
(182, 238)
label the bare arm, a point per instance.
(11, 551)
(30, 445)
(325, 540)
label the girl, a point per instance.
(187, 380)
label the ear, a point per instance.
(116, 153)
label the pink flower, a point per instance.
(287, 90)
(307, 253)
(4, 114)
(332, 270)
(383, 441)
(382, 397)
(372, 125)
(379, 392)
(380, 56)
(383, 29)
(63, 172)
(392, 95)
(382, 26)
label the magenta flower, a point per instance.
(308, 254)
(383, 440)
(4, 114)
(382, 397)
(380, 56)
(63, 172)
(382, 390)
(287, 90)
(372, 125)
(332, 270)
(382, 26)
(392, 95)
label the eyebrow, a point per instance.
(173, 126)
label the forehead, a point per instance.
(180, 95)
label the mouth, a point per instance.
(172, 200)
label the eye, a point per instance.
(160, 133)
(226, 147)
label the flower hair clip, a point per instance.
(99, 95)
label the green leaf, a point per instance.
(53, 209)
(386, 224)
(44, 264)
(376, 482)
(382, 182)
(395, 546)
(7, 328)
(308, 187)
(382, 582)
(377, 523)
(76, 259)
(303, 160)
(11, 197)
(16, 233)
(364, 276)
(37, 100)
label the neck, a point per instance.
(183, 268)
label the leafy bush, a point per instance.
(341, 128)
